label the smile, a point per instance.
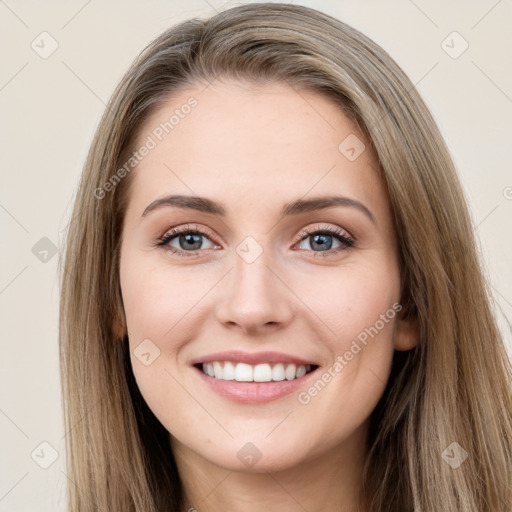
(254, 377)
(264, 372)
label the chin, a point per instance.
(252, 460)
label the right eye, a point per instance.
(186, 239)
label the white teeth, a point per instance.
(290, 372)
(209, 370)
(264, 372)
(243, 372)
(301, 371)
(217, 370)
(229, 371)
(278, 372)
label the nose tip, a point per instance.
(254, 299)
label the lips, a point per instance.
(255, 377)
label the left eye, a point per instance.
(321, 242)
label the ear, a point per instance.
(407, 332)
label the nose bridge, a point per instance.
(252, 277)
(254, 296)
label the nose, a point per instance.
(255, 298)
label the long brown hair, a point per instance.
(454, 387)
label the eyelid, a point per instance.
(319, 228)
(188, 228)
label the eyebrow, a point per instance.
(203, 204)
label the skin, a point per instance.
(253, 149)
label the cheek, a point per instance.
(160, 303)
(347, 390)
(352, 300)
(359, 309)
(155, 299)
(366, 309)
(154, 311)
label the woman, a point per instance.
(271, 295)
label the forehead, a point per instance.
(247, 145)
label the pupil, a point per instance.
(321, 240)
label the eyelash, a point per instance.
(346, 240)
(338, 233)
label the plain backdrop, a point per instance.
(50, 106)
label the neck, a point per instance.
(329, 482)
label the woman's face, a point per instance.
(287, 263)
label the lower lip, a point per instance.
(254, 392)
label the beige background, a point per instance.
(50, 108)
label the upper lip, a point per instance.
(238, 356)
